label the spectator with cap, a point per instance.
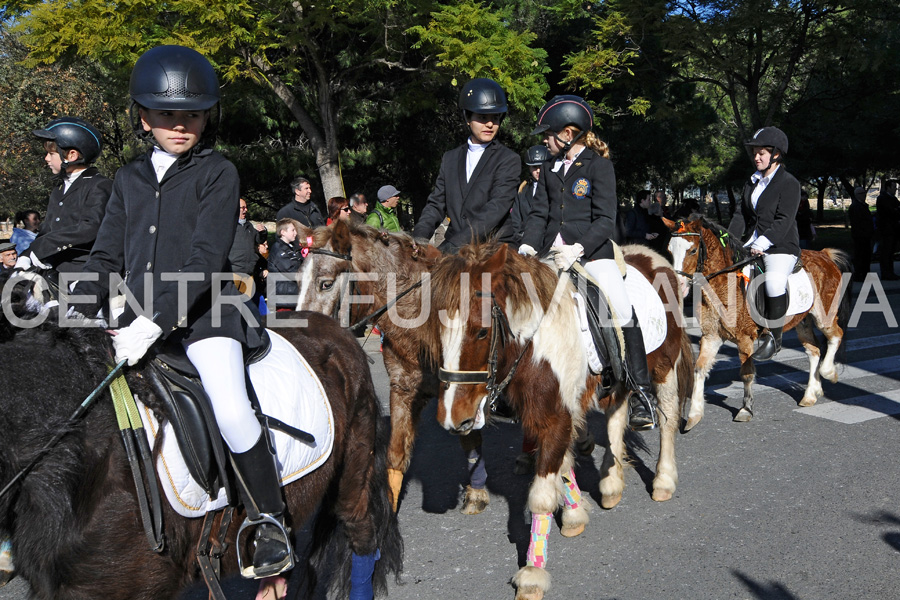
(28, 223)
(477, 181)
(359, 207)
(302, 208)
(384, 215)
(78, 202)
(8, 255)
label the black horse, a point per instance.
(74, 520)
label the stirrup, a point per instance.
(767, 349)
(251, 571)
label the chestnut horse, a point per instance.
(382, 266)
(74, 519)
(702, 247)
(515, 322)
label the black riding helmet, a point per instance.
(484, 96)
(770, 137)
(535, 155)
(561, 111)
(174, 78)
(72, 133)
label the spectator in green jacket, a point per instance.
(384, 215)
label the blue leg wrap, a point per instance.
(361, 576)
(477, 472)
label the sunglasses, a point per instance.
(345, 209)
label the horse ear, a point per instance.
(669, 223)
(340, 237)
(494, 265)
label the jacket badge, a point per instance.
(581, 188)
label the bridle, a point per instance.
(704, 253)
(374, 315)
(500, 332)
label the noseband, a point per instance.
(500, 331)
(701, 259)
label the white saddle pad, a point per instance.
(288, 390)
(800, 291)
(648, 307)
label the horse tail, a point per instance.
(372, 525)
(842, 262)
(685, 371)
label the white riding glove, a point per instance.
(526, 250)
(23, 262)
(132, 342)
(565, 256)
(37, 262)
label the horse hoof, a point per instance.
(574, 521)
(610, 501)
(808, 401)
(691, 423)
(531, 583)
(475, 501)
(743, 416)
(571, 531)
(662, 495)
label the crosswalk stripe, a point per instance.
(857, 409)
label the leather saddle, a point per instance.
(177, 384)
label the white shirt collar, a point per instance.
(757, 177)
(161, 161)
(70, 178)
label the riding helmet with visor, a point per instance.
(174, 78)
(536, 155)
(483, 96)
(72, 133)
(772, 138)
(562, 111)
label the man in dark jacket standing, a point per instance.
(476, 185)
(887, 220)
(301, 208)
(77, 204)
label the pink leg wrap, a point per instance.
(573, 493)
(537, 548)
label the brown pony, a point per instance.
(504, 318)
(382, 266)
(74, 519)
(701, 247)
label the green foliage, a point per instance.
(470, 40)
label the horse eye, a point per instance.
(693, 251)
(482, 333)
(326, 285)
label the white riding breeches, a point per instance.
(220, 362)
(778, 268)
(609, 278)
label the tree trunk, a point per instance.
(821, 186)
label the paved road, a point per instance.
(800, 503)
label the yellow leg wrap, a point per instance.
(395, 481)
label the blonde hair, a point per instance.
(596, 144)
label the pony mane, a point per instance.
(732, 242)
(520, 279)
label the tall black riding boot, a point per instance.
(258, 478)
(642, 400)
(770, 341)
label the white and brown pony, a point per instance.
(352, 272)
(705, 252)
(507, 323)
